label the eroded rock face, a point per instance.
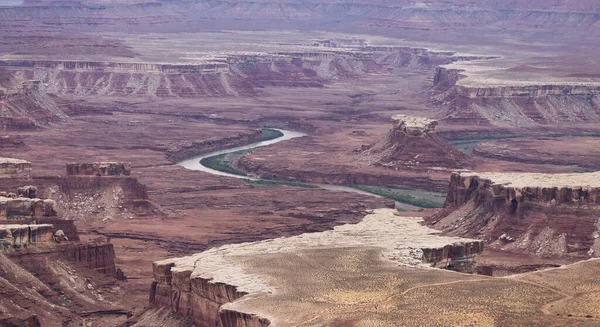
(23, 235)
(520, 104)
(25, 105)
(413, 143)
(26, 208)
(207, 286)
(99, 169)
(543, 214)
(14, 168)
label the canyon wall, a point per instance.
(99, 169)
(17, 236)
(543, 214)
(225, 75)
(514, 105)
(25, 208)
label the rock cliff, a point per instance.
(16, 236)
(552, 215)
(99, 169)
(208, 286)
(14, 168)
(514, 105)
(413, 143)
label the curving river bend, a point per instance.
(194, 163)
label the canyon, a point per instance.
(444, 174)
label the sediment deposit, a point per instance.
(543, 214)
(207, 286)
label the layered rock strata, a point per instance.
(23, 235)
(99, 169)
(413, 143)
(207, 286)
(26, 208)
(15, 168)
(544, 214)
(514, 103)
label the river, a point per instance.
(194, 163)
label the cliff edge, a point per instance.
(550, 215)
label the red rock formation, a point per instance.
(413, 144)
(198, 298)
(453, 255)
(99, 169)
(543, 220)
(14, 168)
(515, 106)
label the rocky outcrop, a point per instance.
(14, 168)
(413, 143)
(99, 169)
(208, 286)
(26, 208)
(219, 75)
(453, 255)
(543, 214)
(97, 257)
(16, 236)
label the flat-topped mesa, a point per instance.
(210, 286)
(413, 143)
(99, 169)
(543, 214)
(414, 126)
(15, 168)
(514, 103)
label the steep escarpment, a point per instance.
(223, 75)
(515, 104)
(552, 215)
(209, 287)
(413, 143)
(47, 274)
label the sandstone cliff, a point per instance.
(14, 168)
(99, 169)
(544, 214)
(221, 75)
(527, 105)
(24, 105)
